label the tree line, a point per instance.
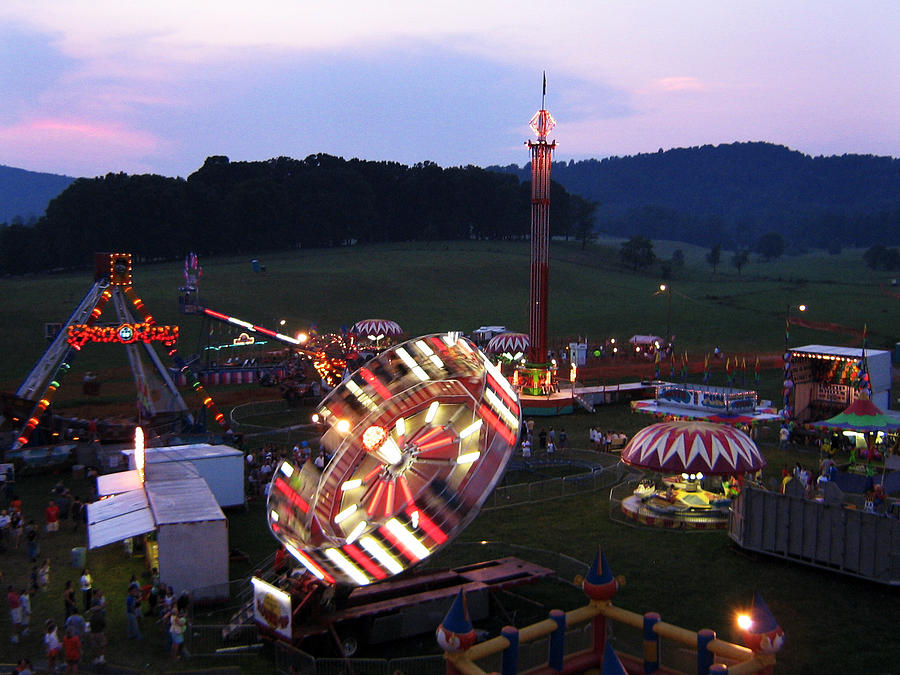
(247, 207)
(734, 194)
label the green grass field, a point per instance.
(834, 624)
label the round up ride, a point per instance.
(685, 452)
(417, 439)
(377, 330)
(509, 343)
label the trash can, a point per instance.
(79, 557)
(255, 264)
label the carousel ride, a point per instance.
(683, 455)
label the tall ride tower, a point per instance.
(541, 157)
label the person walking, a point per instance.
(52, 645)
(25, 602)
(177, 625)
(51, 516)
(87, 588)
(71, 606)
(98, 629)
(15, 614)
(72, 651)
(132, 613)
(31, 545)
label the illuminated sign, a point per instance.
(271, 608)
(243, 339)
(127, 333)
(120, 269)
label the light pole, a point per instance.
(665, 288)
(787, 412)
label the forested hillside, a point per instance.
(244, 207)
(24, 194)
(733, 194)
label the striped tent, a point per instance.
(693, 447)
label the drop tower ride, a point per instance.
(539, 372)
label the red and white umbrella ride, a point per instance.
(693, 448)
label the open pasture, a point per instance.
(833, 623)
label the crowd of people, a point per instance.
(549, 441)
(81, 632)
(606, 442)
(261, 464)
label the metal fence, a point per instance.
(241, 414)
(594, 477)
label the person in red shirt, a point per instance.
(51, 513)
(72, 652)
(15, 613)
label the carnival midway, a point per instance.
(356, 515)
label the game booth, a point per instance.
(724, 405)
(824, 379)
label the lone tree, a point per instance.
(740, 259)
(583, 212)
(714, 257)
(638, 253)
(880, 256)
(770, 246)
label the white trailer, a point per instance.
(221, 466)
(191, 538)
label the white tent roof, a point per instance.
(116, 483)
(183, 501)
(119, 517)
(844, 352)
(185, 453)
(645, 339)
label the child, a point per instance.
(72, 649)
(51, 644)
(44, 575)
(25, 602)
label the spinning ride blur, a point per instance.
(418, 438)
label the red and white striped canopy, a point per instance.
(508, 342)
(693, 447)
(384, 327)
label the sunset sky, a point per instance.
(97, 86)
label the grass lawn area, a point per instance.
(833, 623)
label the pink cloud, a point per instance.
(682, 83)
(81, 147)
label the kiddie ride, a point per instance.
(418, 438)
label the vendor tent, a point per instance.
(862, 415)
(119, 517)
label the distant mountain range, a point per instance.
(24, 195)
(734, 193)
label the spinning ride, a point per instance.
(685, 452)
(509, 343)
(418, 438)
